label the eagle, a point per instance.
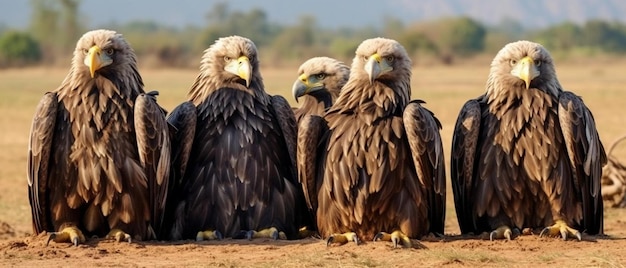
(526, 154)
(99, 148)
(234, 153)
(319, 81)
(372, 167)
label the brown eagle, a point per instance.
(374, 164)
(234, 152)
(319, 81)
(98, 156)
(526, 154)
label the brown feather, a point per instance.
(334, 75)
(524, 167)
(95, 156)
(364, 177)
(236, 171)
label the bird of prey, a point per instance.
(526, 154)
(373, 167)
(319, 81)
(234, 152)
(98, 155)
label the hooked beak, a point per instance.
(305, 85)
(95, 60)
(376, 66)
(240, 67)
(526, 69)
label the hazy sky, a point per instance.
(332, 13)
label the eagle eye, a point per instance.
(389, 59)
(110, 51)
(320, 76)
(538, 63)
(513, 62)
(226, 58)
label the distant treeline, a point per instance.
(55, 26)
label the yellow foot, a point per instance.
(395, 237)
(209, 235)
(68, 234)
(343, 238)
(504, 232)
(560, 227)
(304, 232)
(271, 232)
(118, 235)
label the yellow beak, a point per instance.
(376, 66)
(240, 67)
(95, 60)
(526, 69)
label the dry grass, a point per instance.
(602, 86)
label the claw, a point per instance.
(501, 232)
(69, 234)
(271, 232)
(561, 228)
(343, 238)
(397, 238)
(118, 235)
(209, 235)
(52, 236)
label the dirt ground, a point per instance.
(603, 92)
(452, 251)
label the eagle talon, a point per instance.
(501, 232)
(343, 238)
(378, 236)
(210, 235)
(69, 234)
(560, 228)
(52, 236)
(330, 240)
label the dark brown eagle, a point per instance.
(374, 164)
(526, 154)
(319, 81)
(98, 157)
(234, 153)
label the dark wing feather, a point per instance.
(464, 145)
(422, 129)
(587, 157)
(310, 132)
(153, 144)
(287, 121)
(41, 139)
(183, 121)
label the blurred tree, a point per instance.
(416, 41)
(55, 24)
(295, 41)
(252, 24)
(461, 36)
(604, 35)
(44, 26)
(562, 37)
(18, 49)
(70, 24)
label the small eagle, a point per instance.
(319, 82)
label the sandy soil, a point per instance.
(451, 250)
